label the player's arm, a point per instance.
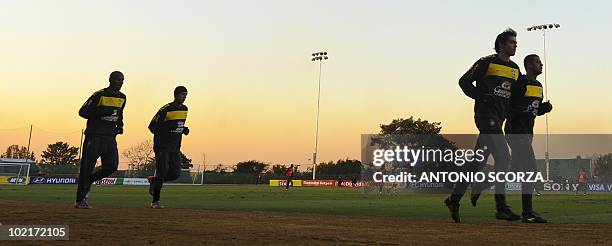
(545, 108)
(157, 123)
(185, 128)
(466, 82)
(90, 108)
(120, 119)
(518, 93)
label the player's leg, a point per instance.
(174, 166)
(171, 171)
(495, 141)
(489, 140)
(501, 155)
(452, 202)
(289, 180)
(88, 163)
(529, 165)
(161, 168)
(110, 159)
(479, 187)
(523, 160)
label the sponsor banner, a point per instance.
(513, 186)
(53, 180)
(573, 187)
(429, 185)
(13, 180)
(282, 182)
(316, 183)
(510, 186)
(109, 181)
(349, 184)
(135, 181)
(320, 183)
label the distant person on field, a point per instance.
(289, 176)
(582, 179)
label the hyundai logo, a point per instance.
(38, 180)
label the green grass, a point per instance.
(556, 207)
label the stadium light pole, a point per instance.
(29, 141)
(317, 57)
(543, 28)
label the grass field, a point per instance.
(310, 215)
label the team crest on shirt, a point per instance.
(533, 108)
(503, 90)
(506, 85)
(179, 127)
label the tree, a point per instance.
(60, 153)
(412, 133)
(603, 166)
(278, 170)
(18, 152)
(341, 167)
(251, 166)
(220, 168)
(141, 156)
(410, 126)
(185, 162)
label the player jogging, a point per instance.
(494, 75)
(167, 126)
(104, 113)
(526, 104)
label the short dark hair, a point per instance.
(529, 59)
(179, 89)
(114, 74)
(503, 37)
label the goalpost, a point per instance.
(188, 176)
(14, 173)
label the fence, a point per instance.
(192, 176)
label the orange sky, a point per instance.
(252, 87)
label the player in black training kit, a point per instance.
(494, 76)
(104, 114)
(168, 126)
(525, 105)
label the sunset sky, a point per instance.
(252, 86)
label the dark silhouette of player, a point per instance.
(494, 76)
(526, 105)
(104, 113)
(168, 127)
